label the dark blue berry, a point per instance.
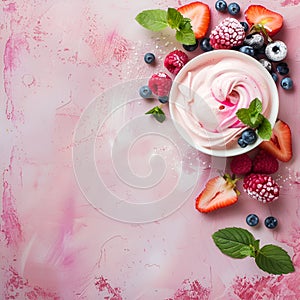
(233, 8)
(271, 222)
(163, 99)
(247, 50)
(145, 92)
(221, 5)
(242, 143)
(205, 45)
(282, 68)
(191, 48)
(245, 25)
(149, 58)
(252, 220)
(249, 136)
(286, 83)
(274, 76)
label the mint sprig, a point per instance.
(254, 118)
(158, 19)
(239, 243)
(157, 113)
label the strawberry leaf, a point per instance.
(274, 260)
(234, 242)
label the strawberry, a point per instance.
(265, 163)
(280, 144)
(219, 192)
(199, 14)
(241, 164)
(259, 17)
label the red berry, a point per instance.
(175, 60)
(160, 84)
(261, 187)
(241, 164)
(229, 33)
(265, 163)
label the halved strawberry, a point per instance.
(199, 14)
(219, 192)
(258, 15)
(280, 144)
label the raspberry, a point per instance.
(160, 84)
(261, 187)
(175, 60)
(228, 34)
(265, 163)
(241, 164)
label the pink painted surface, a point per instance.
(65, 230)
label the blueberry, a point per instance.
(266, 64)
(149, 58)
(163, 99)
(245, 25)
(271, 222)
(252, 220)
(282, 68)
(191, 48)
(255, 40)
(205, 45)
(274, 76)
(249, 136)
(286, 83)
(247, 50)
(242, 143)
(221, 5)
(233, 8)
(145, 92)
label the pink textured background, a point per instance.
(56, 56)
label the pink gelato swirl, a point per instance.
(207, 95)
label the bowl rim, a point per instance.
(210, 55)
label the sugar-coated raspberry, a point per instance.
(241, 164)
(175, 61)
(228, 34)
(261, 187)
(160, 84)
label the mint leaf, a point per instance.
(186, 37)
(256, 120)
(265, 129)
(157, 113)
(244, 116)
(255, 106)
(158, 19)
(274, 260)
(174, 18)
(232, 241)
(153, 19)
(247, 251)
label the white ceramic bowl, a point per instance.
(233, 64)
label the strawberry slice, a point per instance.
(219, 192)
(258, 15)
(199, 14)
(280, 144)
